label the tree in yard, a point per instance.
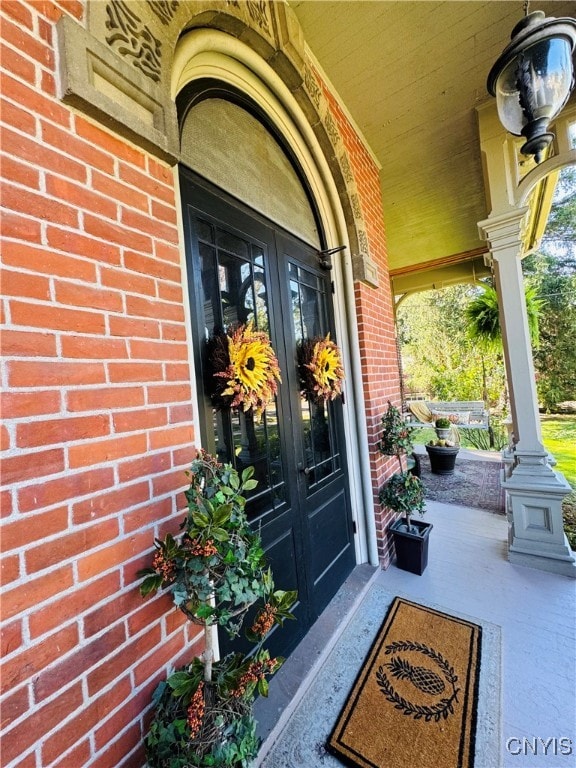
(560, 235)
(443, 359)
(438, 356)
(552, 272)
(483, 323)
(556, 358)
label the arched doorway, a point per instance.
(252, 237)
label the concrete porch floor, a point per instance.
(468, 573)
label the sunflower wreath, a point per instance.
(245, 371)
(320, 369)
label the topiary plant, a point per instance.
(215, 570)
(396, 438)
(403, 492)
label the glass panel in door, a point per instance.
(310, 321)
(318, 428)
(234, 292)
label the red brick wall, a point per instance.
(96, 410)
(96, 416)
(374, 307)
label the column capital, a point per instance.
(505, 231)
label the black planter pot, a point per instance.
(442, 459)
(411, 545)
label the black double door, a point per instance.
(242, 268)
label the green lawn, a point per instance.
(423, 435)
(559, 435)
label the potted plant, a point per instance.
(443, 428)
(443, 451)
(442, 455)
(404, 493)
(215, 570)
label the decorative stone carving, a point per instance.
(164, 9)
(100, 83)
(312, 87)
(258, 10)
(355, 203)
(346, 169)
(363, 240)
(362, 265)
(331, 129)
(131, 38)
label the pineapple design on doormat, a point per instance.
(414, 679)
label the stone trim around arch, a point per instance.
(118, 70)
(208, 56)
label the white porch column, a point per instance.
(534, 489)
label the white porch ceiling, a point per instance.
(410, 74)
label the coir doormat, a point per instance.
(414, 701)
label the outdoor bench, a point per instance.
(464, 414)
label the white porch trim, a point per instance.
(534, 490)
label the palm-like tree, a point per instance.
(483, 317)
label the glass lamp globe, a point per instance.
(533, 78)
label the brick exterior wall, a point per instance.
(96, 414)
(97, 410)
(376, 330)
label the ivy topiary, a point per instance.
(396, 438)
(215, 570)
(403, 492)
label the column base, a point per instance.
(563, 566)
(536, 535)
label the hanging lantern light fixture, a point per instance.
(533, 78)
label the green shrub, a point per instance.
(492, 439)
(403, 493)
